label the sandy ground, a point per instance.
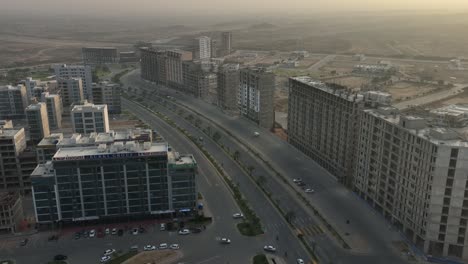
(405, 90)
(156, 256)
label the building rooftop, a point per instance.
(9, 133)
(43, 170)
(177, 160)
(36, 106)
(88, 107)
(115, 150)
(11, 88)
(100, 48)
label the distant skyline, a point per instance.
(213, 7)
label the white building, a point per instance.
(89, 118)
(83, 72)
(203, 48)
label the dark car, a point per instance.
(196, 230)
(60, 257)
(120, 232)
(77, 235)
(24, 242)
(141, 230)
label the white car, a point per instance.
(297, 180)
(109, 252)
(174, 246)
(269, 248)
(309, 190)
(162, 227)
(225, 240)
(135, 231)
(184, 231)
(114, 231)
(300, 261)
(163, 246)
(107, 231)
(105, 259)
(237, 215)
(92, 233)
(149, 248)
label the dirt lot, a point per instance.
(352, 82)
(153, 257)
(461, 98)
(406, 90)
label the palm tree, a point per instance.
(290, 215)
(216, 136)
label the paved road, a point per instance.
(424, 100)
(370, 234)
(322, 62)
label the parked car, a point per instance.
(225, 240)
(300, 261)
(184, 231)
(107, 231)
(162, 227)
(141, 230)
(24, 242)
(60, 257)
(174, 246)
(77, 235)
(105, 259)
(120, 232)
(269, 248)
(237, 215)
(109, 252)
(85, 234)
(308, 190)
(163, 246)
(114, 231)
(149, 248)
(195, 230)
(134, 248)
(135, 231)
(297, 180)
(92, 233)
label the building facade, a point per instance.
(12, 144)
(89, 118)
(226, 40)
(30, 83)
(202, 48)
(153, 65)
(84, 72)
(174, 60)
(11, 211)
(228, 86)
(128, 179)
(108, 93)
(13, 101)
(54, 109)
(71, 91)
(38, 121)
(99, 55)
(256, 96)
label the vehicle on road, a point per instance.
(134, 248)
(269, 248)
(300, 261)
(24, 242)
(301, 184)
(77, 235)
(225, 240)
(135, 231)
(109, 252)
(195, 230)
(85, 234)
(60, 257)
(162, 227)
(114, 231)
(107, 231)
(297, 180)
(308, 190)
(163, 246)
(237, 215)
(105, 259)
(256, 134)
(92, 233)
(174, 246)
(149, 248)
(184, 231)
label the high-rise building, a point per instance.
(416, 174)
(323, 122)
(11, 211)
(214, 48)
(174, 60)
(200, 83)
(84, 72)
(153, 65)
(228, 86)
(12, 144)
(108, 93)
(37, 93)
(256, 96)
(71, 91)
(13, 101)
(54, 109)
(38, 121)
(112, 181)
(202, 48)
(29, 83)
(226, 39)
(99, 55)
(89, 118)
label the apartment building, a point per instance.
(84, 72)
(256, 96)
(99, 55)
(122, 179)
(153, 65)
(54, 109)
(228, 86)
(88, 118)
(11, 211)
(202, 50)
(71, 91)
(38, 121)
(200, 83)
(226, 43)
(12, 144)
(109, 94)
(174, 60)
(30, 83)
(416, 174)
(13, 101)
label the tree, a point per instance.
(216, 136)
(236, 155)
(198, 122)
(290, 216)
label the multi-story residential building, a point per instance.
(200, 83)
(47, 147)
(11, 211)
(88, 118)
(54, 109)
(256, 96)
(153, 65)
(108, 93)
(71, 91)
(84, 72)
(122, 179)
(202, 50)
(128, 57)
(174, 60)
(214, 48)
(12, 144)
(323, 122)
(226, 39)
(37, 92)
(99, 55)
(13, 101)
(30, 83)
(228, 86)
(38, 121)
(416, 174)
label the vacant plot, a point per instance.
(407, 90)
(352, 82)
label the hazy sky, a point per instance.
(148, 7)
